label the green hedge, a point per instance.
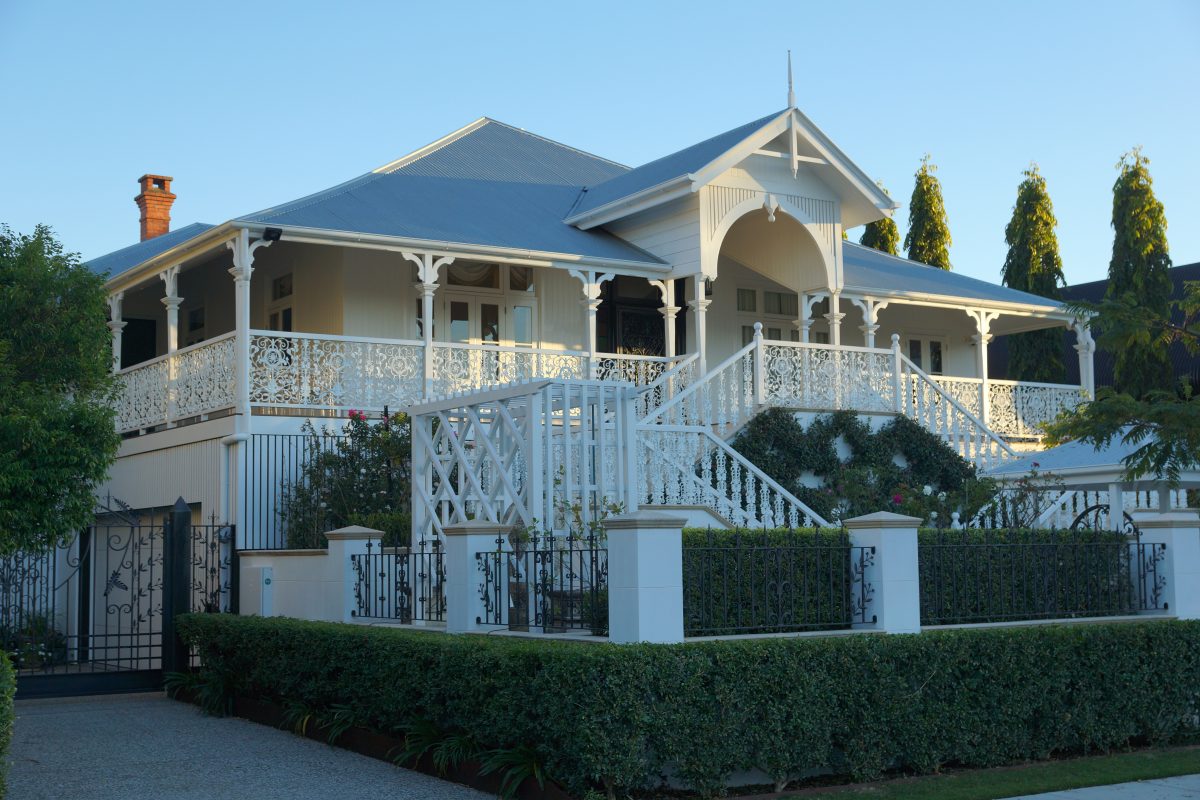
(766, 581)
(8, 687)
(623, 716)
(1009, 574)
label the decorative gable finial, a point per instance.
(791, 94)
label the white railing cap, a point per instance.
(351, 532)
(642, 519)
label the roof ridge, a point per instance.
(759, 122)
(557, 143)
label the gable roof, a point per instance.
(663, 170)
(116, 262)
(486, 184)
(866, 269)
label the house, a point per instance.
(1185, 365)
(716, 276)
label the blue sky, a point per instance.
(251, 104)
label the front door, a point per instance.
(472, 319)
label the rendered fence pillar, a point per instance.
(645, 577)
(892, 573)
(343, 543)
(464, 602)
(1180, 565)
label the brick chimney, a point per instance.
(154, 201)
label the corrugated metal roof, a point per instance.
(869, 269)
(118, 261)
(688, 160)
(494, 185)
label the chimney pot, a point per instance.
(154, 201)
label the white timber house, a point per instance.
(556, 323)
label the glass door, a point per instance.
(472, 320)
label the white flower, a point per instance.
(928, 490)
(933, 515)
(941, 497)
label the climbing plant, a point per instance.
(901, 467)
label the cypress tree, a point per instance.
(1033, 265)
(1138, 273)
(882, 234)
(928, 238)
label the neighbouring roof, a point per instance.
(867, 269)
(676, 165)
(1084, 466)
(118, 261)
(489, 184)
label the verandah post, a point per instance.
(897, 376)
(760, 378)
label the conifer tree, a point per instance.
(1033, 265)
(882, 234)
(1139, 270)
(928, 238)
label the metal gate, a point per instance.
(96, 614)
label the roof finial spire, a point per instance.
(791, 94)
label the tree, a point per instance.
(1033, 265)
(1165, 424)
(57, 437)
(1139, 267)
(882, 234)
(928, 238)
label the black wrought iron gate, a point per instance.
(96, 614)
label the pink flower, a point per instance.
(897, 499)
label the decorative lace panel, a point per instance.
(334, 373)
(143, 402)
(205, 379)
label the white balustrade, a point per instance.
(1016, 409)
(202, 383)
(466, 367)
(816, 376)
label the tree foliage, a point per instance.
(1139, 267)
(928, 238)
(1033, 265)
(882, 234)
(361, 478)
(57, 437)
(1164, 424)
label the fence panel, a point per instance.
(774, 582)
(551, 583)
(400, 585)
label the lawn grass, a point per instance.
(1046, 776)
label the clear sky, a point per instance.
(248, 104)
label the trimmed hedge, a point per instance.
(623, 716)
(8, 687)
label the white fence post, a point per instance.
(464, 604)
(760, 377)
(343, 543)
(892, 573)
(1180, 566)
(645, 577)
(897, 375)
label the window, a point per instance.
(820, 337)
(782, 303)
(747, 300)
(520, 279)
(279, 311)
(195, 326)
(927, 353)
(475, 276)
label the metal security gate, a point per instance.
(96, 614)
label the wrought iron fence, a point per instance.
(399, 584)
(553, 583)
(214, 568)
(274, 463)
(774, 582)
(972, 576)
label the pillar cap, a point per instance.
(477, 526)
(882, 519)
(642, 519)
(1177, 518)
(353, 532)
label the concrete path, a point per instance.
(148, 747)
(1186, 787)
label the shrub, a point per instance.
(364, 478)
(870, 479)
(621, 716)
(8, 687)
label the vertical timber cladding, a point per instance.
(94, 615)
